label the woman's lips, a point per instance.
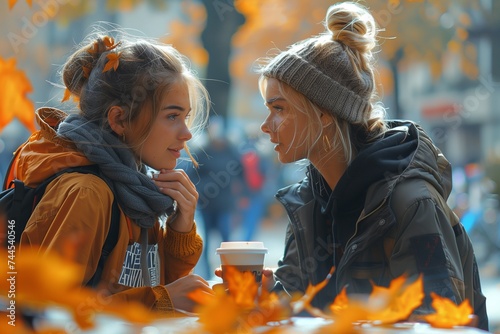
(175, 152)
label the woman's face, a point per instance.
(169, 131)
(285, 125)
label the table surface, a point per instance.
(189, 325)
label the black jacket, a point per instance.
(387, 216)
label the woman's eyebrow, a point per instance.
(274, 99)
(173, 106)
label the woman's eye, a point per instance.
(172, 117)
(278, 108)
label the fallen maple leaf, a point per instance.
(397, 301)
(272, 307)
(346, 319)
(385, 305)
(239, 308)
(304, 303)
(341, 302)
(242, 286)
(448, 314)
(218, 313)
(45, 279)
(14, 86)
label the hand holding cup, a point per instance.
(243, 256)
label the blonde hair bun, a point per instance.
(352, 25)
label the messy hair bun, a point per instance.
(78, 67)
(352, 25)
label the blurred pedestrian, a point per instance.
(373, 201)
(219, 181)
(255, 169)
(135, 99)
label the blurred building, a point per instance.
(461, 114)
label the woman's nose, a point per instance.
(264, 126)
(186, 134)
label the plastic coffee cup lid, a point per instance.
(252, 247)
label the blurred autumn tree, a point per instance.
(221, 34)
(223, 20)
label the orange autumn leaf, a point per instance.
(200, 297)
(109, 42)
(242, 286)
(218, 314)
(400, 300)
(347, 319)
(385, 292)
(304, 303)
(58, 283)
(448, 314)
(273, 308)
(113, 61)
(341, 302)
(239, 308)
(14, 86)
(67, 95)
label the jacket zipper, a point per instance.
(364, 217)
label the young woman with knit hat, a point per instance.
(137, 103)
(373, 200)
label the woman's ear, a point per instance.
(116, 120)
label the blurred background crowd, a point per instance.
(439, 65)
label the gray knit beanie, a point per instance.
(321, 69)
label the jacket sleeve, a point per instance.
(179, 252)
(155, 298)
(72, 214)
(425, 243)
(288, 276)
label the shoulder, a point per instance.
(411, 193)
(84, 183)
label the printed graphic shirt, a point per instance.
(131, 274)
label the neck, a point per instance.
(331, 166)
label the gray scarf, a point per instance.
(137, 195)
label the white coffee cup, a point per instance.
(243, 256)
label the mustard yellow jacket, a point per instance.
(79, 205)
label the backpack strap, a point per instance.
(109, 244)
(9, 174)
(23, 205)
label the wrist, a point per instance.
(181, 224)
(163, 301)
